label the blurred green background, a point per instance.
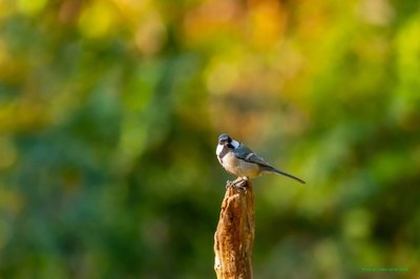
(109, 117)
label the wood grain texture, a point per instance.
(234, 237)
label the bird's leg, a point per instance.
(241, 182)
(233, 183)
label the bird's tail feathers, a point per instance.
(279, 172)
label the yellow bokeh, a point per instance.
(267, 23)
(98, 19)
(31, 7)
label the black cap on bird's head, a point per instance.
(224, 139)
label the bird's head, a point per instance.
(226, 140)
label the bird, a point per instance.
(237, 159)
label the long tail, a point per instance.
(276, 171)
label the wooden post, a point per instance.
(234, 237)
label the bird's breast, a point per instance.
(239, 167)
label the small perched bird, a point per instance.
(239, 160)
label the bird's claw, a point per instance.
(228, 183)
(239, 183)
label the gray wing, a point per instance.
(246, 154)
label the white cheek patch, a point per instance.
(219, 149)
(235, 144)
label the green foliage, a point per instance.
(110, 111)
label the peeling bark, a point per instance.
(234, 237)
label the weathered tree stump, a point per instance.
(234, 237)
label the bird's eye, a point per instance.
(224, 139)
